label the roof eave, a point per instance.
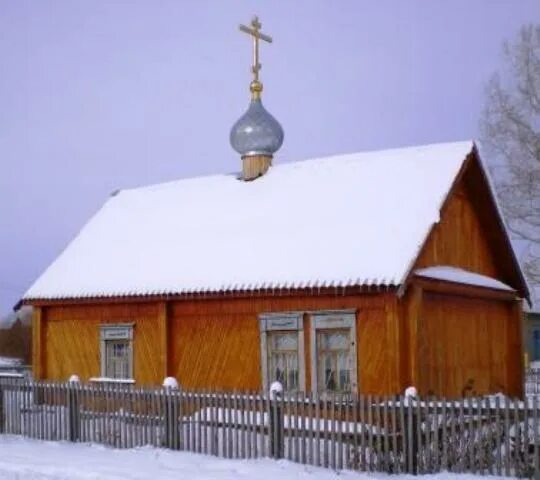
(337, 290)
(500, 217)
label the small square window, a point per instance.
(117, 351)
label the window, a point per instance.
(536, 344)
(282, 350)
(283, 358)
(117, 359)
(117, 351)
(333, 343)
(333, 363)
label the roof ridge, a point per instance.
(300, 162)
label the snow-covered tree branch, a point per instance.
(511, 133)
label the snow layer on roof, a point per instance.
(458, 275)
(344, 220)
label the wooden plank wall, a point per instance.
(215, 343)
(469, 234)
(37, 343)
(73, 343)
(466, 346)
(459, 239)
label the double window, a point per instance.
(332, 346)
(117, 351)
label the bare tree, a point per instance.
(510, 129)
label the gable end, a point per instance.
(471, 233)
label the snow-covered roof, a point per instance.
(345, 220)
(458, 275)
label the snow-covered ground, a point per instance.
(24, 459)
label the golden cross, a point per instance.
(255, 32)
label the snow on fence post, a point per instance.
(410, 433)
(73, 407)
(275, 429)
(172, 413)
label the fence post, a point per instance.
(2, 419)
(74, 408)
(410, 435)
(172, 413)
(276, 421)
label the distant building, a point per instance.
(532, 319)
(366, 272)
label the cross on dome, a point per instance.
(256, 34)
(256, 135)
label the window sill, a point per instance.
(129, 381)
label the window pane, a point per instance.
(283, 359)
(117, 359)
(335, 340)
(285, 341)
(536, 344)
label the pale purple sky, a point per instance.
(101, 95)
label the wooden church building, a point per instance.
(367, 272)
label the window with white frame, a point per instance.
(282, 350)
(117, 351)
(333, 347)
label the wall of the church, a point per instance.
(70, 341)
(459, 239)
(461, 340)
(212, 343)
(216, 343)
(474, 340)
(471, 336)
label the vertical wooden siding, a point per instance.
(476, 332)
(465, 346)
(459, 239)
(37, 343)
(216, 344)
(470, 234)
(73, 342)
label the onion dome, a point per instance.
(257, 135)
(256, 132)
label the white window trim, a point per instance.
(326, 320)
(117, 331)
(283, 321)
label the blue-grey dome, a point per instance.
(256, 132)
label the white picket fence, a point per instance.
(339, 431)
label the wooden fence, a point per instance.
(339, 431)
